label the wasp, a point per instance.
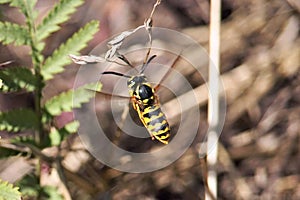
(145, 101)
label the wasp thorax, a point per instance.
(141, 89)
(145, 91)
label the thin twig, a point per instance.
(154, 7)
(62, 176)
(213, 101)
(148, 25)
(204, 169)
(6, 63)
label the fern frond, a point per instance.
(16, 78)
(8, 191)
(71, 127)
(57, 136)
(59, 14)
(26, 7)
(29, 186)
(50, 193)
(59, 58)
(18, 120)
(5, 1)
(13, 33)
(66, 101)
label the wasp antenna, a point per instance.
(150, 59)
(116, 73)
(122, 57)
(146, 64)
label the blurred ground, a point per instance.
(260, 58)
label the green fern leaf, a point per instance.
(50, 193)
(26, 7)
(57, 136)
(18, 120)
(59, 14)
(16, 78)
(66, 101)
(78, 41)
(29, 186)
(72, 127)
(7, 191)
(5, 1)
(13, 33)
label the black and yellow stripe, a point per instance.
(156, 123)
(146, 104)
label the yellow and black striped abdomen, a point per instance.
(146, 103)
(156, 123)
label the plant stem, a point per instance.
(213, 102)
(37, 60)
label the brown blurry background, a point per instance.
(259, 154)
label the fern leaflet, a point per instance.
(51, 193)
(66, 101)
(59, 58)
(26, 7)
(57, 136)
(5, 1)
(59, 14)
(18, 120)
(13, 33)
(7, 191)
(16, 78)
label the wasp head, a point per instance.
(135, 81)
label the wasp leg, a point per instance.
(137, 105)
(156, 99)
(108, 95)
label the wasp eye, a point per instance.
(131, 82)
